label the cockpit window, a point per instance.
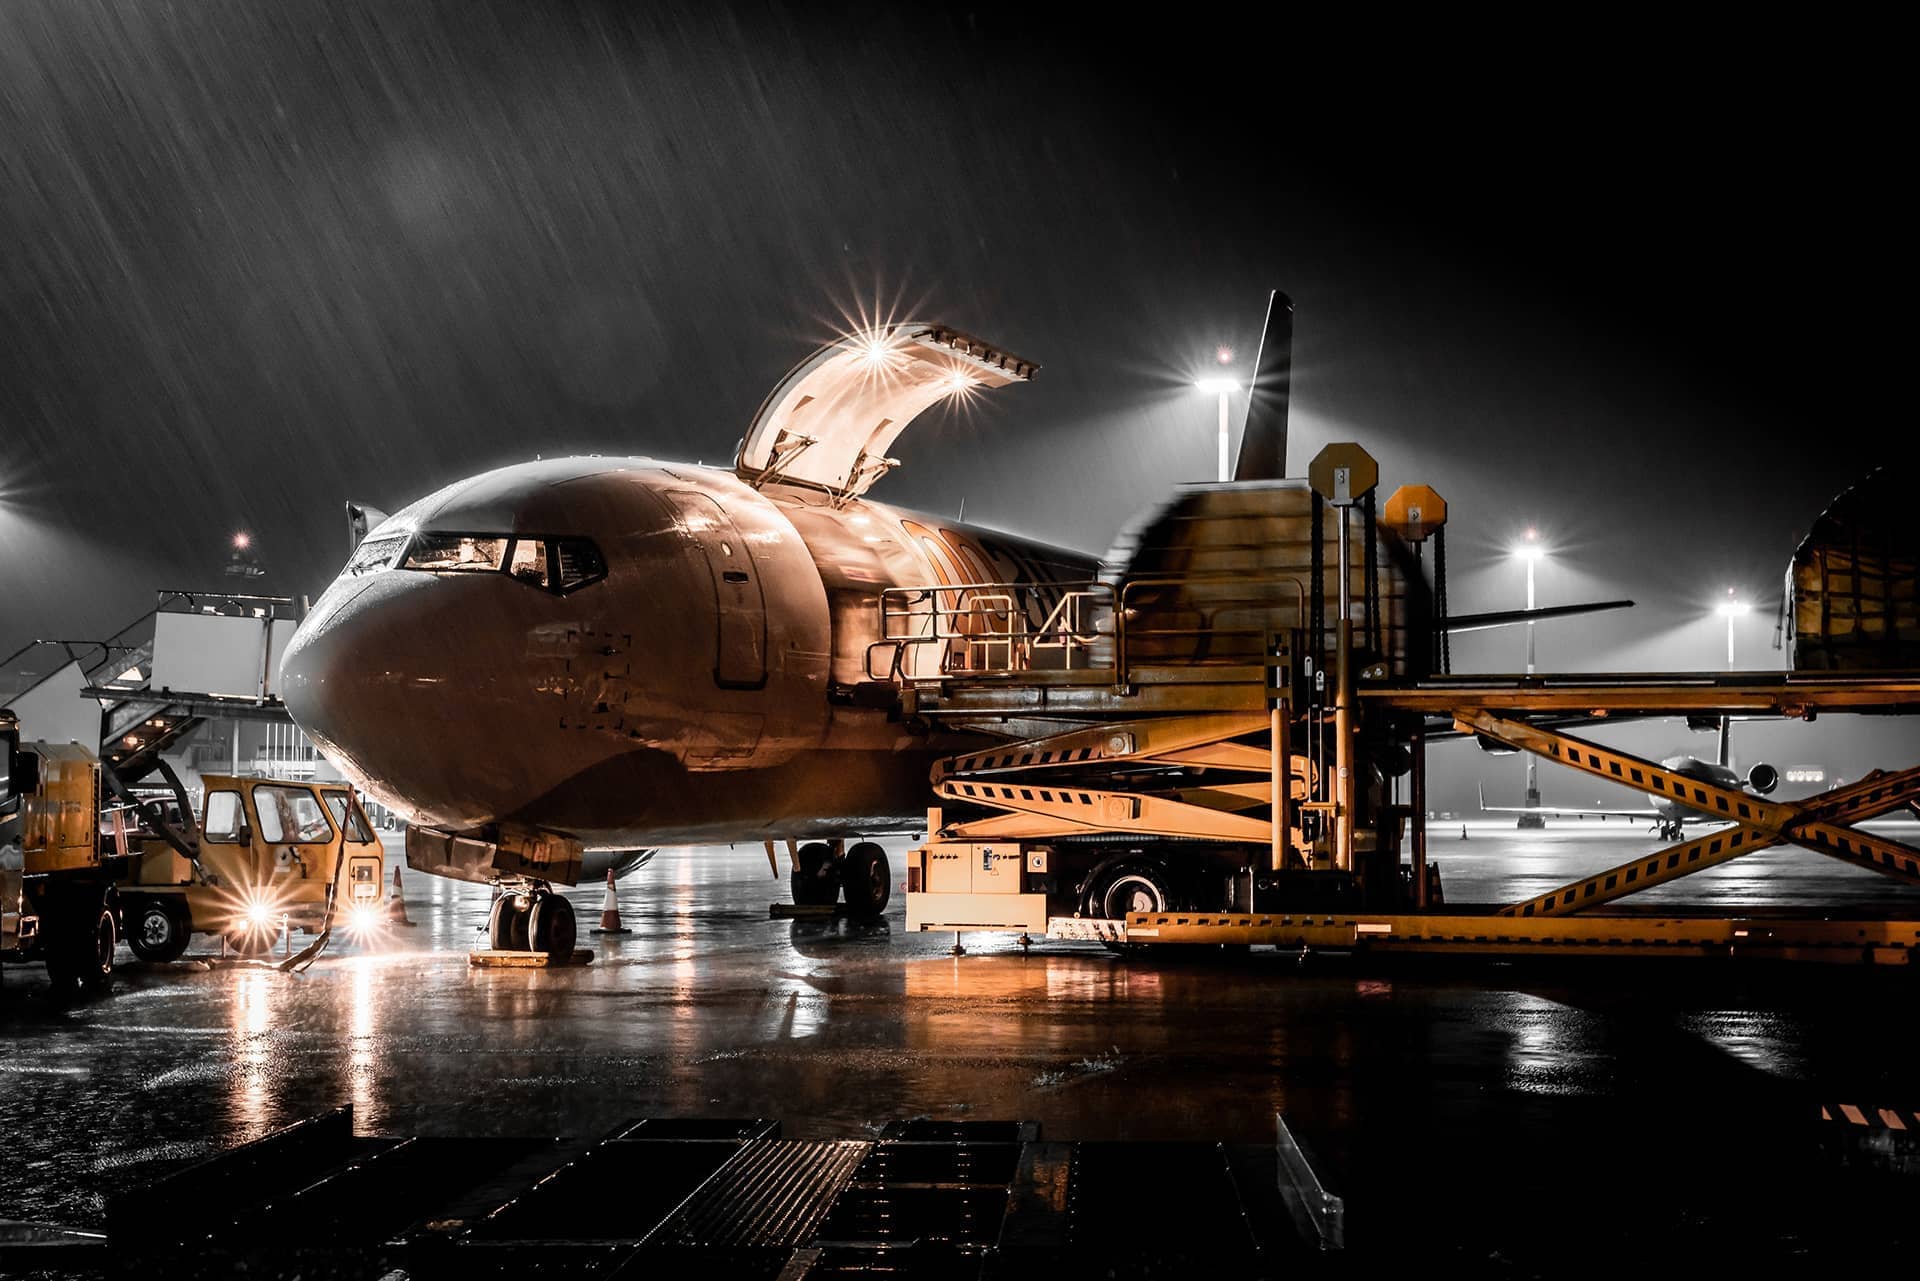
(444, 553)
(375, 554)
(558, 565)
(528, 562)
(576, 562)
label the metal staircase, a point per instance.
(138, 722)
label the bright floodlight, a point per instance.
(1734, 608)
(1223, 354)
(955, 383)
(242, 540)
(1217, 386)
(874, 349)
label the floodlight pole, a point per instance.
(1533, 762)
(1225, 475)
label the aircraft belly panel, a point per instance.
(649, 798)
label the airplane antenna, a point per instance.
(963, 508)
(1726, 725)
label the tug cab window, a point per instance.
(291, 815)
(224, 818)
(348, 817)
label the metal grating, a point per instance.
(772, 1193)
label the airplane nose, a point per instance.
(374, 677)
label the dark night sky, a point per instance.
(1639, 286)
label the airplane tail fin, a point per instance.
(1263, 441)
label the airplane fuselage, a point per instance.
(629, 652)
(1673, 811)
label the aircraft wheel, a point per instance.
(816, 880)
(867, 879)
(507, 923)
(81, 960)
(158, 930)
(550, 926)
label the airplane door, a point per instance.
(740, 642)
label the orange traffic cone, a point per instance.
(610, 911)
(397, 905)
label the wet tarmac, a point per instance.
(1505, 1112)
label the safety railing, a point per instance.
(124, 659)
(940, 632)
(1233, 618)
(101, 662)
(228, 604)
(990, 629)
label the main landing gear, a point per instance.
(532, 918)
(822, 873)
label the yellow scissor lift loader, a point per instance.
(1213, 769)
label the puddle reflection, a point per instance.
(250, 1104)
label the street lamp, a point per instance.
(1731, 608)
(1530, 551)
(1223, 387)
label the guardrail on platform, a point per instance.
(1016, 629)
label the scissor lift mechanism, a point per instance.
(1030, 783)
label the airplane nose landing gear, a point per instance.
(536, 921)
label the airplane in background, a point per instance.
(1669, 816)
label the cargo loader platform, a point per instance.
(1224, 743)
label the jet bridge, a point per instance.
(1210, 745)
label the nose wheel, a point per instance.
(532, 920)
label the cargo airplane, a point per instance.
(596, 653)
(553, 665)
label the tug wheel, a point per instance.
(158, 930)
(82, 960)
(816, 880)
(867, 879)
